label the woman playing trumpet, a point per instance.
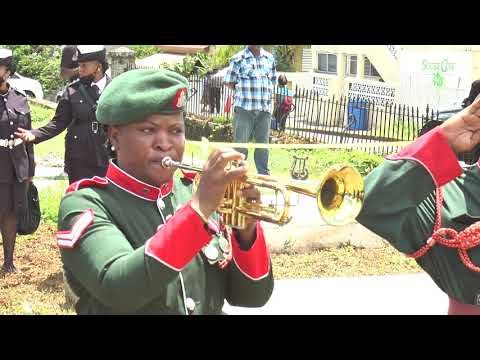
(138, 241)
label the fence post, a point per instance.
(121, 59)
(295, 110)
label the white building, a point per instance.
(416, 75)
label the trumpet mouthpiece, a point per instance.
(167, 162)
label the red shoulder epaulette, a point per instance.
(96, 181)
(67, 239)
(189, 175)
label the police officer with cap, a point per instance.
(140, 240)
(69, 63)
(86, 153)
(17, 165)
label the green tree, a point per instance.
(285, 57)
(143, 51)
(201, 63)
(222, 55)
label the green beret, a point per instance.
(136, 94)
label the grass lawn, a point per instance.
(53, 147)
(280, 160)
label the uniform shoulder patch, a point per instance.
(96, 181)
(20, 92)
(67, 239)
(188, 176)
(74, 82)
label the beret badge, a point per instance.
(180, 98)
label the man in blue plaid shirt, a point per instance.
(252, 74)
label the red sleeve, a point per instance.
(255, 262)
(433, 152)
(179, 239)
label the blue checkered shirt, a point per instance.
(254, 79)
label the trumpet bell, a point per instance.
(340, 195)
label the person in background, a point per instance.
(283, 103)
(86, 152)
(69, 63)
(17, 163)
(252, 75)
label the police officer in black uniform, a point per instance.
(69, 63)
(86, 153)
(17, 164)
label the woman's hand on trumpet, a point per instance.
(248, 234)
(217, 174)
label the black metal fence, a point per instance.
(348, 120)
(319, 120)
(209, 96)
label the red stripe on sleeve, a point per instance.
(434, 153)
(178, 241)
(255, 262)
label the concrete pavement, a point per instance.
(412, 294)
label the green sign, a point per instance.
(438, 70)
(443, 66)
(438, 80)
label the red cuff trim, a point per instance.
(178, 241)
(434, 153)
(253, 263)
(68, 239)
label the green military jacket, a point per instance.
(400, 206)
(131, 248)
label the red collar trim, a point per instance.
(136, 187)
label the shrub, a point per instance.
(221, 120)
(284, 56)
(143, 51)
(196, 128)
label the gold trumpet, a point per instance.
(339, 196)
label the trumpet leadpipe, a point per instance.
(167, 162)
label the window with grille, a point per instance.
(351, 65)
(327, 63)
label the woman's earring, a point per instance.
(112, 148)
